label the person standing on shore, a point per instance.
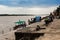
(46, 21)
(51, 17)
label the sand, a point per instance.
(52, 31)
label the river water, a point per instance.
(8, 22)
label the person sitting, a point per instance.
(38, 28)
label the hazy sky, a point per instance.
(28, 6)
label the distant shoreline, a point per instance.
(16, 15)
(22, 14)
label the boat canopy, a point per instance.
(20, 22)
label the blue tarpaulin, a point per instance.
(38, 18)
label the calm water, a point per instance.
(7, 22)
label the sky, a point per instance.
(28, 6)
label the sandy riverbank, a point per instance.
(52, 31)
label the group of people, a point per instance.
(55, 14)
(49, 19)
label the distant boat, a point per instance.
(20, 24)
